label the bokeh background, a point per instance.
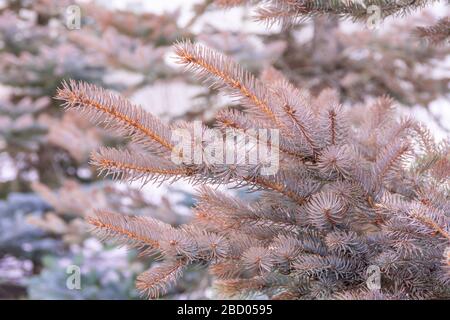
(47, 185)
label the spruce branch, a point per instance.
(131, 166)
(157, 280)
(290, 12)
(222, 72)
(438, 33)
(140, 232)
(346, 196)
(116, 113)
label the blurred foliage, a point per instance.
(106, 273)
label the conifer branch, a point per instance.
(430, 223)
(138, 232)
(112, 111)
(289, 12)
(377, 196)
(130, 166)
(157, 280)
(223, 72)
(438, 33)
